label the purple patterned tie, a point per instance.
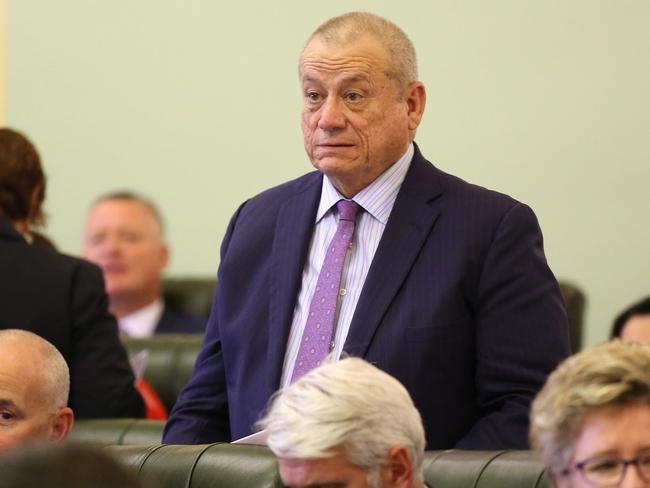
(316, 338)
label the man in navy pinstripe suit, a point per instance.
(445, 287)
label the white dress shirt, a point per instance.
(142, 323)
(376, 200)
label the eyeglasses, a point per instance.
(605, 471)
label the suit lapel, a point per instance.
(294, 227)
(409, 224)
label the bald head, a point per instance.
(34, 389)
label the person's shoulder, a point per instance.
(457, 187)
(51, 262)
(454, 188)
(71, 263)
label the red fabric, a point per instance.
(155, 408)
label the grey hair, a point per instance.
(351, 405)
(351, 26)
(130, 196)
(612, 374)
(56, 375)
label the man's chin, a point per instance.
(332, 164)
(118, 290)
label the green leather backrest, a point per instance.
(202, 466)
(226, 465)
(575, 302)
(483, 469)
(105, 432)
(171, 362)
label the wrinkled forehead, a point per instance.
(365, 54)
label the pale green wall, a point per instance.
(196, 104)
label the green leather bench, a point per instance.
(483, 469)
(239, 466)
(137, 443)
(106, 432)
(209, 466)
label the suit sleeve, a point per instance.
(200, 414)
(102, 383)
(521, 332)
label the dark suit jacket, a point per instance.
(174, 321)
(459, 305)
(62, 299)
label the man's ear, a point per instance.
(62, 424)
(164, 255)
(416, 100)
(398, 469)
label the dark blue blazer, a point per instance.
(459, 305)
(174, 321)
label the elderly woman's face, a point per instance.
(609, 435)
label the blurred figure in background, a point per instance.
(123, 235)
(591, 421)
(34, 388)
(346, 424)
(58, 297)
(633, 324)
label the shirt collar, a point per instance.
(378, 197)
(142, 322)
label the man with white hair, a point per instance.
(34, 388)
(346, 424)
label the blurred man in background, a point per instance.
(124, 236)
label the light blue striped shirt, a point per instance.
(377, 200)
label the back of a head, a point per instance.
(641, 307)
(351, 26)
(349, 404)
(611, 374)
(64, 466)
(22, 181)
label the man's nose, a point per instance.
(331, 115)
(112, 245)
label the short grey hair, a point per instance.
(351, 405)
(612, 374)
(351, 26)
(130, 196)
(55, 371)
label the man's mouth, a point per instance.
(114, 268)
(334, 144)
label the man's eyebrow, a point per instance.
(346, 79)
(5, 402)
